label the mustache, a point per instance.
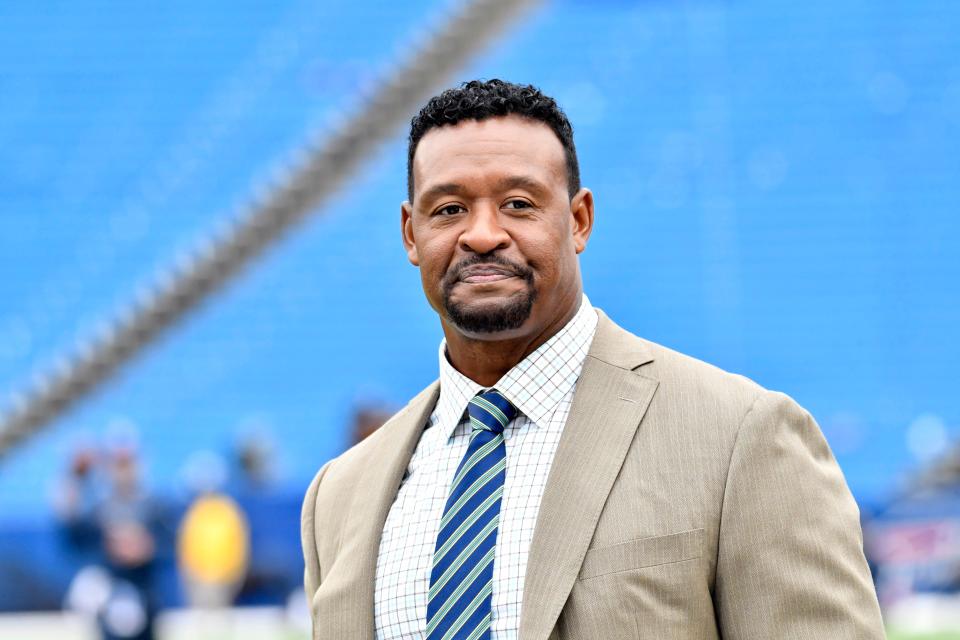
(455, 272)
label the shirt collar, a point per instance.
(535, 385)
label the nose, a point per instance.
(483, 232)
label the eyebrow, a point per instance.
(510, 182)
(443, 189)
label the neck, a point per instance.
(486, 360)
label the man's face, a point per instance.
(493, 229)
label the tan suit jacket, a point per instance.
(683, 502)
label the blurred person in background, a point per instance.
(366, 420)
(76, 499)
(564, 477)
(213, 536)
(254, 464)
(255, 484)
(213, 550)
(109, 518)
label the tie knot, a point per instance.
(490, 411)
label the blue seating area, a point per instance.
(776, 190)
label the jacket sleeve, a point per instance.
(790, 560)
(308, 537)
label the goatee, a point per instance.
(489, 318)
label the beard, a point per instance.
(489, 318)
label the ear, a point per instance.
(581, 211)
(406, 233)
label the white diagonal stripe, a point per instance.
(456, 535)
(463, 586)
(469, 611)
(492, 409)
(472, 461)
(472, 489)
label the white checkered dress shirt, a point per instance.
(541, 387)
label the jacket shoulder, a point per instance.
(686, 372)
(688, 389)
(706, 395)
(678, 374)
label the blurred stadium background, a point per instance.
(776, 190)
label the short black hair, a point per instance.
(482, 99)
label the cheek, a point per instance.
(548, 255)
(434, 261)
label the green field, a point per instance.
(893, 634)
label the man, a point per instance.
(564, 478)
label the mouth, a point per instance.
(484, 273)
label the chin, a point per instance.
(490, 318)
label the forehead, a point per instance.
(472, 149)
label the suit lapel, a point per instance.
(375, 492)
(608, 405)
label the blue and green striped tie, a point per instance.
(461, 583)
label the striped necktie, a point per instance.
(461, 583)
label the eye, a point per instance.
(518, 204)
(449, 210)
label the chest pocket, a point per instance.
(652, 587)
(642, 552)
